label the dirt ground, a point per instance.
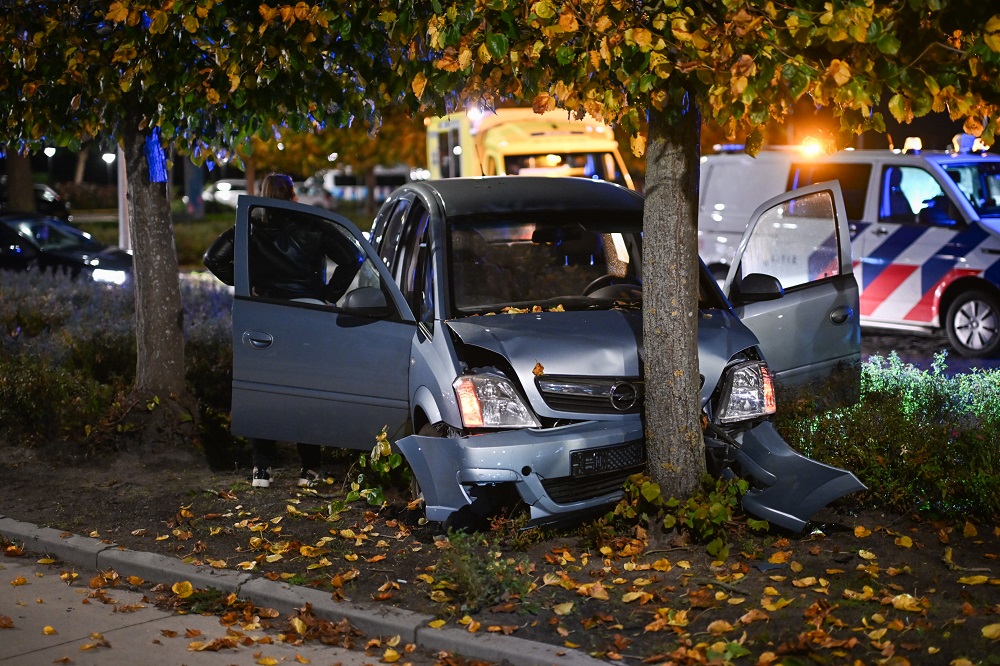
(862, 587)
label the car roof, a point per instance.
(500, 195)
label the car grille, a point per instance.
(592, 395)
(596, 472)
(569, 489)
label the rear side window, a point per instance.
(853, 179)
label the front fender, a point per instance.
(787, 488)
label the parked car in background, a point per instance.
(312, 193)
(225, 192)
(40, 242)
(47, 201)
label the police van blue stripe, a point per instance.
(889, 251)
(945, 258)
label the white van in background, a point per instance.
(925, 230)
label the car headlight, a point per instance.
(105, 275)
(491, 401)
(747, 392)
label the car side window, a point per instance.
(388, 242)
(911, 195)
(415, 274)
(795, 241)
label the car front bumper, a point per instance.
(544, 465)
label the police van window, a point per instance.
(911, 195)
(980, 183)
(795, 241)
(853, 182)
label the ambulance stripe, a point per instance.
(882, 257)
(925, 309)
(890, 277)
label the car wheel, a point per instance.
(973, 324)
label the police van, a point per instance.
(925, 230)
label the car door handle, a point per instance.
(839, 315)
(257, 339)
(881, 231)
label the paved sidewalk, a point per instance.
(137, 638)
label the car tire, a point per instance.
(973, 324)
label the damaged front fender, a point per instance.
(787, 488)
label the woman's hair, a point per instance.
(277, 186)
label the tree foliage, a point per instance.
(208, 75)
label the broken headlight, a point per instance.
(491, 401)
(747, 392)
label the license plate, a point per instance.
(608, 459)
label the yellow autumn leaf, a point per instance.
(563, 609)
(49, 631)
(907, 602)
(866, 554)
(684, 564)
(839, 71)
(20, 580)
(973, 580)
(267, 661)
(861, 531)
(298, 625)
(992, 631)
(390, 656)
(904, 542)
(436, 624)
(183, 589)
(46, 560)
(969, 530)
(991, 34)
(719, 627)
(808, 581)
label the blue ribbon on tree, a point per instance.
(155, 157)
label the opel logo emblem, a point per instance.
(623, 396)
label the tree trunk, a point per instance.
(20, 188)
(159, 317)
(670, 309)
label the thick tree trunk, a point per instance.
(20, 188)
(670, 304)
(159, 313)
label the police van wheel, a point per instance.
(973, 324)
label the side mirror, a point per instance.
(367, 301)
(756, 287)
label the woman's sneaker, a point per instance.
(261, 477)
(308, 478)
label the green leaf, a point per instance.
(888, 44)
(650, 491)
(497, 45)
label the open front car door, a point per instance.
(792, 284)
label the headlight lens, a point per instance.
(490, 401)
(747, 392)
(105, 275)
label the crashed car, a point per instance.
(494, 329)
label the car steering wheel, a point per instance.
(608, 281)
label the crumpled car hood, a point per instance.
(594, 343)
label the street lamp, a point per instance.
(109, 158)
(49, 153)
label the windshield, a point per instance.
(596, 165)
(53, 235)
(541, 261)
(980, 183)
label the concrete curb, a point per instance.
(373, 620)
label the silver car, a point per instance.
(495, 328)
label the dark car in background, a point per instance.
(47, 201)
(42, 242)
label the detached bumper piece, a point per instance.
(787, 488)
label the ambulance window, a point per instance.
(853, 182)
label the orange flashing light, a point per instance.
(468, 403)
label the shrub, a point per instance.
(919, 440)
